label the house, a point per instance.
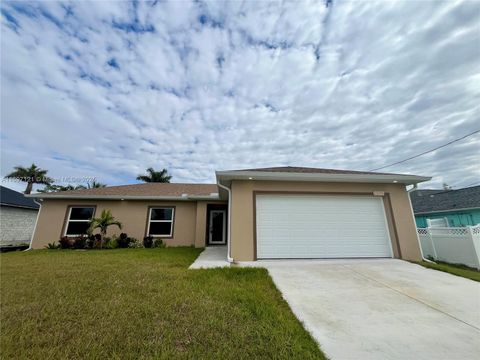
(17, 217)
(265, 213)
(454, 208)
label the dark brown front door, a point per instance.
(217, 232)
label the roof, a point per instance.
(430, 200)
(179, 191)
(290, 173)
(309, 170)
(139, 191)
(9, 197)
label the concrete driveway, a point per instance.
(381, 309)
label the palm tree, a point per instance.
(54, 188)
(31, 175)
(91, 185)
(95, 185)
(155, 176)
(103, 222)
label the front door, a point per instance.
(217, 228)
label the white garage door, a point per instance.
(321, 226)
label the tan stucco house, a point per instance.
(266, 213)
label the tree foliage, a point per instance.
(161, 176)
(31, 175)
(103, 222)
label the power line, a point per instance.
(428, 151)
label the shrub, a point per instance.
(80, 242)
(52, 246)
(123, 241)
(110, 243)
(147, 241)
(65, 242)
(90, 242)
(134, 243)
(97, 241)
(158, 243)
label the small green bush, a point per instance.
(158, 243)
(134, 243)
(110, 242)
(52, 246)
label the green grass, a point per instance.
(455, 269)
(141, 304)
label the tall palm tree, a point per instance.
(161, 176)
(105, 220)
(31, 175)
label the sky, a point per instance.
(107, 89)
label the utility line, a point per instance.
(428, 151)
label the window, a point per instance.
(160, 221)
(78, 220)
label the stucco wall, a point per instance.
(16, 224)
(401, 223)
(188, 229)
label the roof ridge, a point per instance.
(141, 189)
(316, 169)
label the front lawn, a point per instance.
(142, 303)
(459, 270)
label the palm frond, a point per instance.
(155, 176)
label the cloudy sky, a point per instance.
(109, 88)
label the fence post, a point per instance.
(433, 244)
(476, 245)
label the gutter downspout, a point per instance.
(227, 189)
(35, 227)
(413, 217)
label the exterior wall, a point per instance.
(397, 206)
(188, 227)
(16, 224)
(455, 218)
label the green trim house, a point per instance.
(453, 208)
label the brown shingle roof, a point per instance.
(147, 189)
(308, 170)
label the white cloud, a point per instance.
(108, 89)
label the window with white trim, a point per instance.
(161, 221)
(78, 220)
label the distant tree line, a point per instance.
(35, 175)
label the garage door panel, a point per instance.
(300, 226)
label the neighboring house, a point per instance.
(444, 208)
(267, 213)
(17, 217)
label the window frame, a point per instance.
(172, 221)
(69, 213)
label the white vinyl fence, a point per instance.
(456, 245)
